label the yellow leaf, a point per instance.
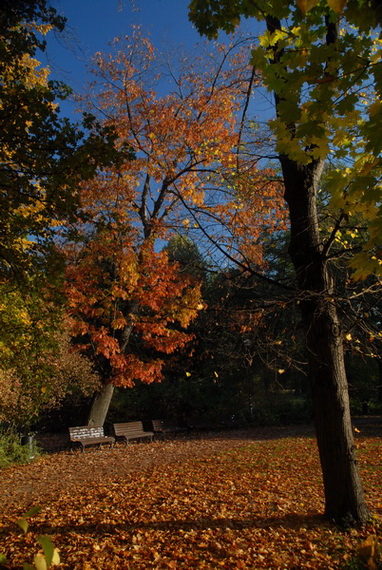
(55, 558)
(376, 57)
(281, 371)
(188, 373)
(216, 374)
(337, 5)
(348, 336)
(40, 562)
(23, 524)
(368, 550)
(306, 5)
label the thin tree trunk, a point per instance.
(379, 380)
(344, 497)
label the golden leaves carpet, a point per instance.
(240, 499)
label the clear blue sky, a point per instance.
(92, 24)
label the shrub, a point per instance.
(11, 450)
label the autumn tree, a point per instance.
(43, 156)
(323, 70)
(39, 368)
(128, 300)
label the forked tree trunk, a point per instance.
(344, 497)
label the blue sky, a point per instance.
(92, 24)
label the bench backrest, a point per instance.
(128, 428)
(82, 432)
(158, 425)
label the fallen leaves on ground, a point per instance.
(228, 501)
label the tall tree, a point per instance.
(320, 76)
(184, 143)
(42, 156)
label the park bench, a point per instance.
(131, 431)
(89, 435)
(161, 428)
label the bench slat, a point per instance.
(89, 435)
(131, 430)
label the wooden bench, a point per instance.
(132, 431)
(161, 428)
(89, 435)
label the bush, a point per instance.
(11, 450)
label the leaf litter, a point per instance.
(230, 500)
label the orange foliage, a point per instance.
(125, 297)
(113, 293)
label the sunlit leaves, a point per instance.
(50, 553)
(101, 299)
(37, 368)
(306, 5)
(43, 157)
(23, 522)
(126, 297)
(261, 508)
(326, 76)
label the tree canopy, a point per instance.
(321, 62)
(328, 92)
(43, 156)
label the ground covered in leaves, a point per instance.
(242, 499)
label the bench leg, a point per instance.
(159, 435)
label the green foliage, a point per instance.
(43, 157)
(42, 560)
(11, 450)
(324, 70)
(29, 321)
(22, 522)
(183, 250)
(43, 377)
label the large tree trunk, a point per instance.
(100, 405)
(344, 498)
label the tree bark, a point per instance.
(100, 405)
(344, 497)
